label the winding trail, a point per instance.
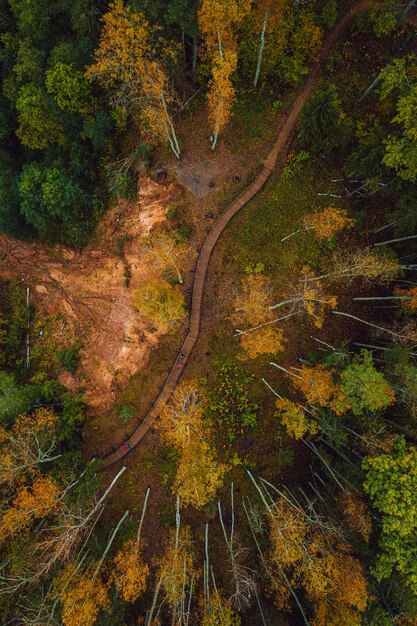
(279, 150)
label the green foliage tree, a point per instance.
(401, 148)
(69, 88)
(391, 482)
(50, 198)
(323, 124)
(366, 388)
(38, 129)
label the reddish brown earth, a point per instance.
(87, 289)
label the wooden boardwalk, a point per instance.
(278, 151)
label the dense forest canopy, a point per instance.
(277, 484)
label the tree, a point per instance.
(366, 388)
(218, 21)
(325, 223)
(323, 125)
(161, 302)
(29, 504)
(401, 147)
(363, 263)
(356, 514)
(391, 482)
(181, 420)
(126, 63)
(294, 418)
(37, 127)
(168, 252)
(50, 197)
(218, 612)
(31, 441)
(267, 15)
(130, 572)
(199, 474)
(408, 299)
(308, 296)
(311, 553)
(69, 88)
(252, 307)
(176, 571)
(317, 385)
(14, 399)
(82, 598)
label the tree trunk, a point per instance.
(261, 46)
(194, 60)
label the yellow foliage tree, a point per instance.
(181, 419)
(176, 566)
(160, 302)
(288, 530)
(310, 297)
(130, 572)
(199, 474)
(125, 62)
(253, 309)
(218, 612)
(218, 21)
(168, 253)
(294, 419)
(364, 263)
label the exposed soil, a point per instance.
(88, 290)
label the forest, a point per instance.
(208, 312)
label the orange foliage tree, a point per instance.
(318, 387)
(218, 21)
(82, 596)
(31, 440)
(357, 516)
(325, 223)
(408, 299)
(30, 503)
(126, 64)
(130, 572)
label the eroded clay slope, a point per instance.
(88, 290)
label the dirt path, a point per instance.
(278, 152)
